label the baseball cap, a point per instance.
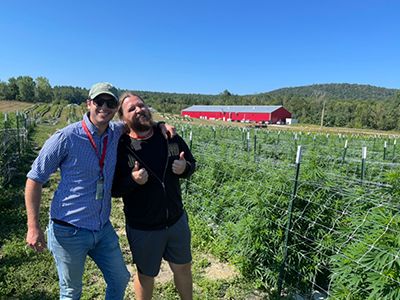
(103, 88)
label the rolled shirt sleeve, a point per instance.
(49, 159)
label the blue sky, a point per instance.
(204, 46)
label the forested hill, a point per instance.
(344, 105)
(338, 91)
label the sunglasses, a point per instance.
(111, 103)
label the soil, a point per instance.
(215, 270)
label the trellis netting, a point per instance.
(340, 235)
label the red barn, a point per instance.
(242, 113)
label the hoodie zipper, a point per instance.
(162, 181)
(163, 184)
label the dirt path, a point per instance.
(215, 270)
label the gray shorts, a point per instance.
(148, 247)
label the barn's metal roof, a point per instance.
(234, 108)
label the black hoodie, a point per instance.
(158, 203)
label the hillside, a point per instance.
(339, 91)
(7, 106)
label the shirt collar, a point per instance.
(90, 126)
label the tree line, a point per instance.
(25, 88)
(380, 113)
(337, 105)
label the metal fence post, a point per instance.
(255, 146)
(384, 150)
(363, 159)
(295, 140)
(344, 151)
(190, 148)
(190, 140)
(18, 134)
(289, 221)
(248, 141)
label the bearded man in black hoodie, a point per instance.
(147, 177)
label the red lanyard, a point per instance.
(103, 153)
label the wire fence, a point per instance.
(13, 143)
(325, 223)
(15, 127)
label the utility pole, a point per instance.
(323, 113)
(320, 97)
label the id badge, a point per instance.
(99, 189)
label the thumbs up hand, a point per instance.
(179, 165)
(140, 176)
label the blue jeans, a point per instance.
(70, 246)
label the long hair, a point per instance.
(122, 98)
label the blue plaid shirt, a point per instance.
(70, 150)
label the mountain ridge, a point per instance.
(338, 91)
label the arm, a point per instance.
(33, 194)
(49, 159)
(127, 183)
(124, 182)
(168, 131)
(139, 175)
(185, 166)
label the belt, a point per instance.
(63, 223)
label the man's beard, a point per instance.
(143, 122)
